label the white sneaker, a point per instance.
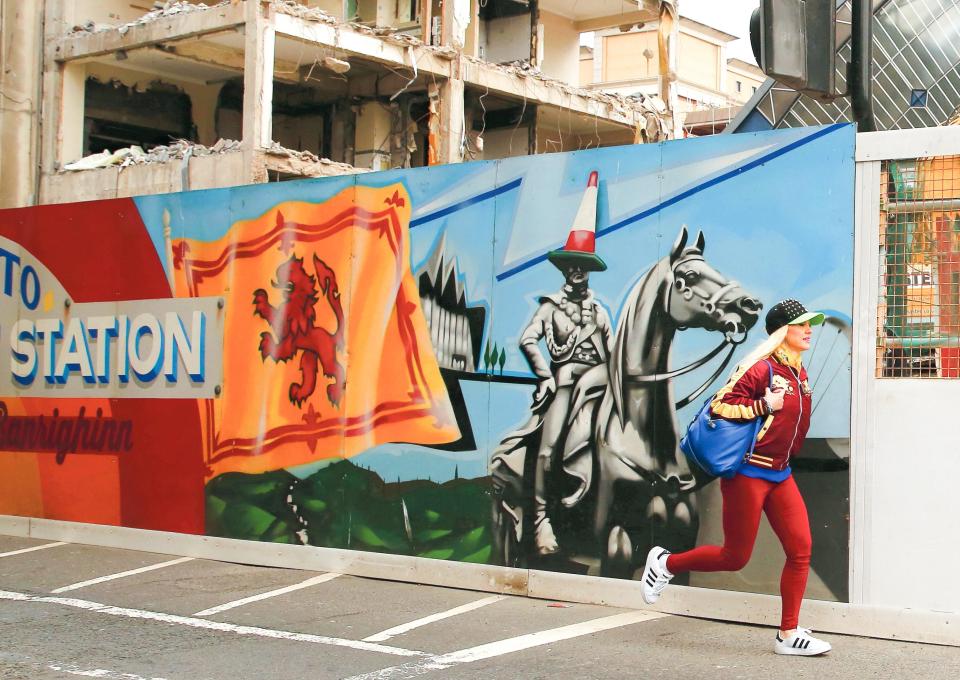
(655, 575)
(801, 643)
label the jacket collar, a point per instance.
(787, 357)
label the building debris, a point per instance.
(387, 33)
(134, 155)
(651, 107)
(161, 10)
(275, 149)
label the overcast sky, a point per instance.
(732, 16)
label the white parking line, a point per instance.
(122, 574)
(323, 578)
(516, 644)
(26, 550)
(98, 608)
(14, 661)
(404, 627)
(71, 669)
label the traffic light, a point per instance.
(794, 42)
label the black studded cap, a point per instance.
(788, 312)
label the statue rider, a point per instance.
(577, 334)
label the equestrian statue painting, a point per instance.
(600, 448)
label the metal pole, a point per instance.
(861, 65)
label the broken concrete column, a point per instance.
(21, 39)
(257, 87)
(446, 134)
(456, 20)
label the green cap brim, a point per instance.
(815, 319)
(566, 258)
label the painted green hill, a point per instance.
(345, 506)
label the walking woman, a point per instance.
(764, 483)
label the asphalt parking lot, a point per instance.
(70, 610)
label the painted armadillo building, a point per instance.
(456, 328)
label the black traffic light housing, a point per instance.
(794, 42)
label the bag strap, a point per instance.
(759, 425)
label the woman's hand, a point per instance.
(774, 399)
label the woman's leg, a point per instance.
(743, 499)
(788, 516)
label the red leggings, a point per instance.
(743, 499)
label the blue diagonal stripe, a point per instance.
(473, 200)
(686, 194)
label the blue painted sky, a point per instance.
(776, 209)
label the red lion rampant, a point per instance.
(294, 329)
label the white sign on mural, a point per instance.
(51, 346)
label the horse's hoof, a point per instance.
(657, 509)
(619, 546)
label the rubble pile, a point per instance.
(135, 155)
(161, 10)
(275, 149)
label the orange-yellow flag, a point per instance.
(326, 350)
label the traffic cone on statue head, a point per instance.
(580, 248)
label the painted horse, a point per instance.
(621, 470)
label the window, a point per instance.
(739, 86)
(919, 311)
(754, 89)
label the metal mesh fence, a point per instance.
(919, 311)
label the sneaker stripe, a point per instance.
(796, 641)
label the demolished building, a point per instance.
(127, 97)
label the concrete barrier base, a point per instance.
(834, 617)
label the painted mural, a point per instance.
(489, 362)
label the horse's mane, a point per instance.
(653, 277)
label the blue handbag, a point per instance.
(720, 446)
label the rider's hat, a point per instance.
(790, 312)
(580, 247)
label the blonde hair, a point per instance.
(759, 353)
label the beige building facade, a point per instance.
(710, 86)
(125, 97)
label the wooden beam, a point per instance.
(163, 30)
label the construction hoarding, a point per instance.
(430, 362)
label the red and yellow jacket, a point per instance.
(783, 432)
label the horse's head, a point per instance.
(702, 297)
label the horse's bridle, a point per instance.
(710, 305)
